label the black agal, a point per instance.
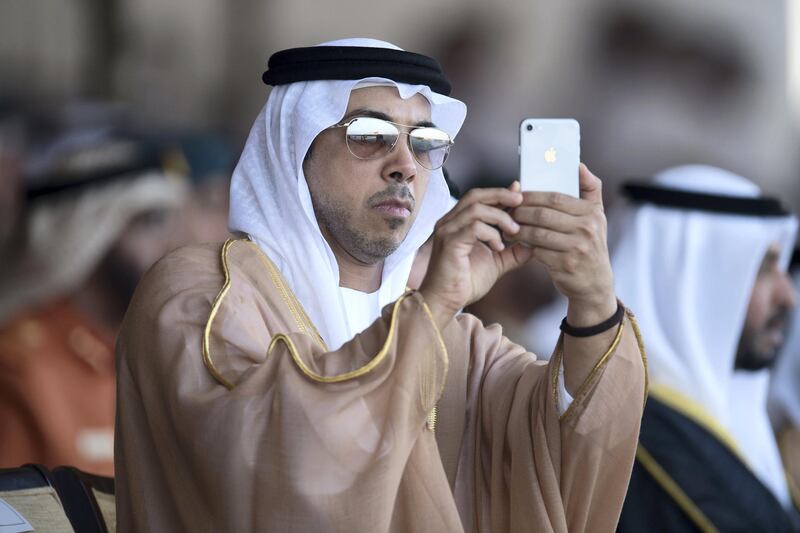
(648, 193)
(353, 63)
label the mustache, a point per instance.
(394, 191)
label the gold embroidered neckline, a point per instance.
(305, 326)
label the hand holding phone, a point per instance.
(549, 155)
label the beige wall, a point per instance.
(198, 63)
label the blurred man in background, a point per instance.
(100, 209)
(703, 260)
(784, 397)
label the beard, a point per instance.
(337, 222)
(755, 351)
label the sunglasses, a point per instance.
(371, 138)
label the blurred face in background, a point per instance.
(206, 211)
(148, 237)
(768, 314)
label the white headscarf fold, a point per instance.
(688, 276)
(271, 202)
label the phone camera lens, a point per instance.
(529, 127)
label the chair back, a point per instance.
(30, 492)
(88, 499)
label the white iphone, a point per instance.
(549, 155)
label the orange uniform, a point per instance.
(57, 390)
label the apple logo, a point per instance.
(550, 155)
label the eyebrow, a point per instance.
(366, 112)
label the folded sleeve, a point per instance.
(531, 458)
(282, 434)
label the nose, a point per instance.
(786, 292)
(400, 164)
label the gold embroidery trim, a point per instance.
(640, 342)
(784, 446)
(673, 489)
(583, 390)
(212, 315)
(361, 371)
(307, 327)
(697, 413)
(433, 416)
(555, 368)
(304, 323)
(794, 490)
(299, 315)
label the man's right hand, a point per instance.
(469, 255)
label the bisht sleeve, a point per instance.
(524, 466)
(259, 427)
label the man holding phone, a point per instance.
(292, 380)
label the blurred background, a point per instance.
(653, 83)
(150, 102)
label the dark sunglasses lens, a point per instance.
(430, 146)
(368, 138)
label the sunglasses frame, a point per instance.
(407, 133)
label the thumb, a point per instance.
(515, 186)
(590, 185)
(514, 256)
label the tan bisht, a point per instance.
(233, 416)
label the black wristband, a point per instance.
(615, 319)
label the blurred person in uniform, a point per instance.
(784, 398)
(703, 260)
(100, 211)
(291, 379)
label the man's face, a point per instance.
(366, 207)
(771, 301)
